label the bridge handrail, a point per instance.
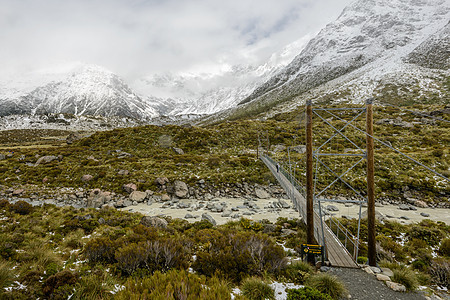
(348, 235)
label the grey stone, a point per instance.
(129, 188)
(123, 172)
(403, 207)
(287, 232)
(161, 180)
(178, 151)
(209, 218)
(404, 218)
(138, 196)
(226, 214)
(382, 277)
(101, 221)
(283, 204)
(86, 178)
(188, 216)
(396, 286)
(181, 189)
(387, 272)
(46, 159)
(236, 216)
(2, 156)
(332, 208)
(279, 148)
(261, 194)
(421, 204)
(375, 270)
(299, 149)
(154, 222)
(425, 215)
(368, 270)
(165, 141)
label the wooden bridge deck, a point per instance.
(337, 254)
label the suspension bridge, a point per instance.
(341, 246)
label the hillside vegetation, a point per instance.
(226, 153)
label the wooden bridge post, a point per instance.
(309, 179)
(372, 254)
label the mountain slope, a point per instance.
(89, 90)
(373, 44)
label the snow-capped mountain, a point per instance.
(372, 44)
(85, 90)
(207, 93)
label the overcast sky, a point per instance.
(137, 37)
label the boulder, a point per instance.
(165, 198)
(421, 204)
(2, 156)
(279, 148)
(161, 180)
(403, 207)
(332, 208)
(154, 222)
(425, 215)
(129, 188)
(97, 198)
(178, 151)
(123, 172)
(261, 194)
(208, 218)
(46, 159)
(285, 232)
(188, 216)
(299, 149)
(180, 188)
(86, 178)
(283, 204)
(397, 287)
(387, 272)
(382, 277)
(138, 196)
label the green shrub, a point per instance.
(297, 272)
(256, 289)
(306, 293)
(100, 249)
(21, 207)
(59, 285)
(440, 272)
(174, 284)
(444, 248)
(327, 284)
(361, 260)
(130, 258)
(4, 203)
(6, 274)
(238, 254)
(406, 277)
(93, 286)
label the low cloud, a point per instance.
(135, 38)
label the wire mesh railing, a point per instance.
(350, 242)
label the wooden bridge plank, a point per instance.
(336, 252)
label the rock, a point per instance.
(396, 286)
(324, 269)
(101, 221)
(123, 172)
(283, 204)
(18, 192)
(236, 216)
(285, 232)
(404, 218)
(161, 181)
(261, 194)
(154, 222)
(279, 148)
(368, 270)
(129, 188)
(2, 156)
(375, 270)
(181, 189)
(209, 218)
(382, 277)
(165, 198)
(97, 198)
(404, 207)
(86, 178)
(299, 149)
(74, 136)
(425, 215)
(138, 196)
(421, 204)
(387, 272)
(178, 151)
(46, 159)
(188, 216)
(332, 208)
(226, 214)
